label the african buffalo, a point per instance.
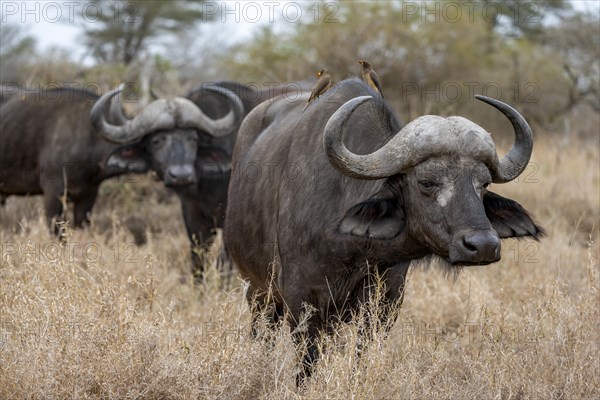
(322, 201)
(47, 146)
(195, 165)
(189, 149)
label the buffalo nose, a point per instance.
(482, 246)
(180, 175)
(478, 247)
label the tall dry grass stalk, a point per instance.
(98, 316)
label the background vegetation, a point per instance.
(542, 56)
(111, 312)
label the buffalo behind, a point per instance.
(192, 158)
(49, 147)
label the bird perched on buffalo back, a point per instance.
(320, 87)
(370, 76)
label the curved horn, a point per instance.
(515, 162)
(157, 115)
(354, 165)
(424, 137)
(398, 154)
(196, 118)
(116, 110)
(165, 115)
(112, 133)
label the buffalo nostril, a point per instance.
(485, 244)
(173, 175)
(179, 175)
(179, 171)
(469, 245)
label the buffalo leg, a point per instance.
(200, 257)
(82, 209)
(307, 325)
(262, 304)
(203, 210)
(204, 253)
(199, 225)
(54, 210)
(310, 354)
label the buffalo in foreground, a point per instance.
(322, 202)
(196, 165)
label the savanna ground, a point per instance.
(100, 317)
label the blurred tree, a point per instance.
(16, 47)
(436, 67)
(412, 56)
(575, 43)
(118, 30)
(517, 18)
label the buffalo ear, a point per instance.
(130, 158)
(375, 219)
(509, 218)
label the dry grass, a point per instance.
(85, 321)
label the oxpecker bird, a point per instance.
(320, 87)
(370, 76)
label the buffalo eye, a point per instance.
(426, 186)
(157, 141)
(485, 185)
